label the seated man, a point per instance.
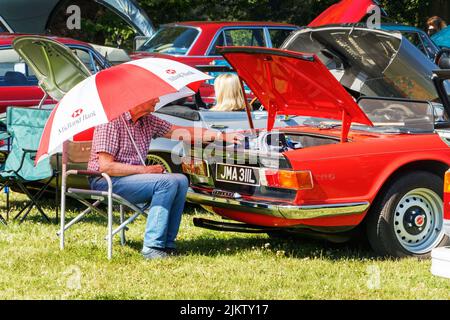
(113, 153)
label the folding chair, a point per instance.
(25, 127)
(4, 151)
(75, 156)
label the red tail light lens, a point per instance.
(285, 179)
(447, 196)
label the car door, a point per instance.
(18, 85)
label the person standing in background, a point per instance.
(434, 25)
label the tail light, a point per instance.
(193, 166)
(447, 196)
(286, 179)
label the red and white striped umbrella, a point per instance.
(106, 95)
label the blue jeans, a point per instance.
(166, 194)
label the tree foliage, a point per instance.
(300, 12)
(100, 26)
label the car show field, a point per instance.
(252, 150)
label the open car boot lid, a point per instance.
(369, 62)
(56, 67)
(292, 83)
(346, 11)
(25, 16)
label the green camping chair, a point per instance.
(4, 151)
(25, 127)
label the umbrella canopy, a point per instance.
(106, 95)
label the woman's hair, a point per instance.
(229, 96)
(437, 23)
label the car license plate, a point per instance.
(237, 174)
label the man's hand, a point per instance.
(154, 169)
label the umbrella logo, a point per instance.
(77, 113)
(170, 71)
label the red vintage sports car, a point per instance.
(367, 155)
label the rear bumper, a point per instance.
(280, 210)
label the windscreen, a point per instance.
(171, 40)
(401, 114)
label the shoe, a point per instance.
(154, 253)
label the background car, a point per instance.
(194, 43)
(50, 16)
(375, 165)
(19, 86)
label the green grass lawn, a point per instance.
(215, 265)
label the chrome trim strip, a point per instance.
(280, 210)
(6, 25)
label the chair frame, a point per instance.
(21, 182)
(92, 199)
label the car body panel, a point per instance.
(31, 94)
(270, 74)
(345, 11)
(24, 16)
(363, 166)
(58, 70)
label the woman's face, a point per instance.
(431, 30)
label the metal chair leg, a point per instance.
(30, 205)
(122, 233)
(110, 224)
(3, 221)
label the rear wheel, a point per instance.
(164, 160)
(407, 219)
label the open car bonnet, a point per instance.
(369, 62)
(57, 68)
(292, 83)
(346, 11)
(25, 16)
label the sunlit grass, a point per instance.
(215, 265)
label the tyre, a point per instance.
(165, 160)
(407, 218)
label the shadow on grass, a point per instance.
(292, 248)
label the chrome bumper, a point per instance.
(280, 210)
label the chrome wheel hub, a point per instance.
(418, 221)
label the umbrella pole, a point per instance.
(132, 141)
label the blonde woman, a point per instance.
(229, 96)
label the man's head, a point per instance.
(143, 109)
